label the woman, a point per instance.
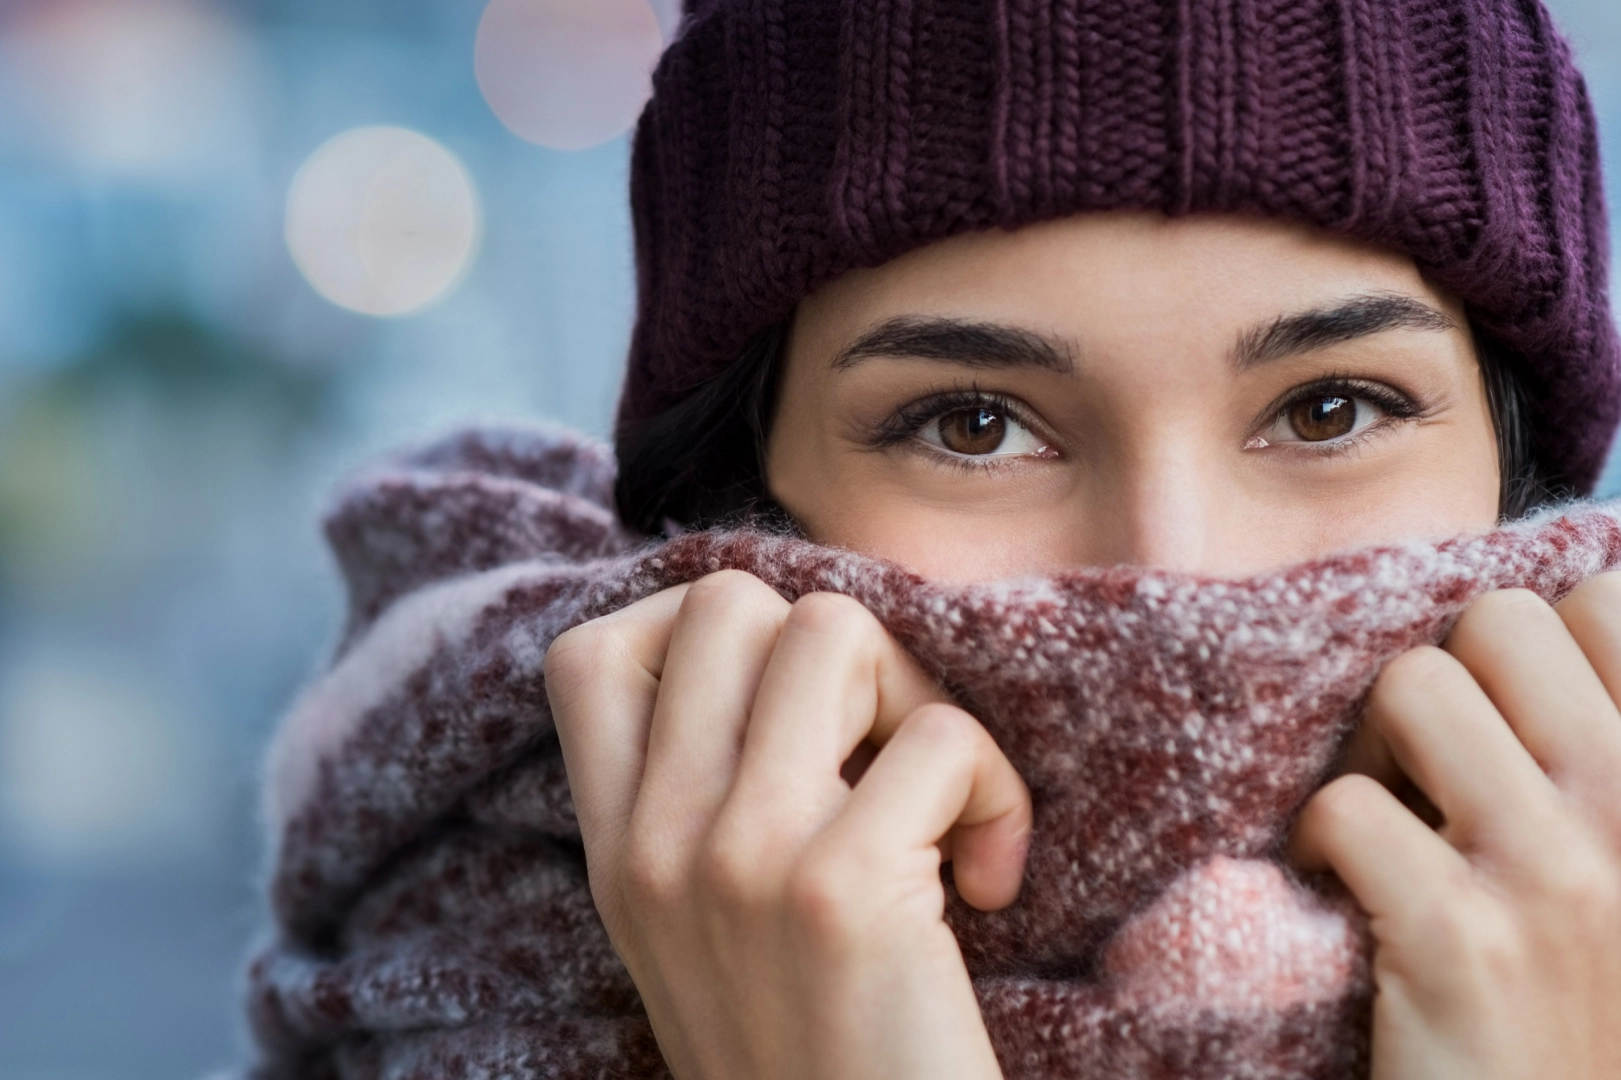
(989, 290)
(1219, 395)
(1213, 395)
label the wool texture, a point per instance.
(431, 916)
(788, 141)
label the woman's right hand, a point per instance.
(777, 921)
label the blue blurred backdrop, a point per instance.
(181, 383)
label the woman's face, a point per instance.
(1215, 395)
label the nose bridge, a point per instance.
(1165, 473)
(1168, 506)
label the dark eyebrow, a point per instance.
(1361, 316)
(973, 344)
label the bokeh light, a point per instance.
(142, 89)
(96, 761)
(567, 74)
(383, 220)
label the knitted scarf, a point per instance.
(431, 912)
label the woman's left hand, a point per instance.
(1498, 936)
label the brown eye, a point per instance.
(973, 432)
(1319, 419)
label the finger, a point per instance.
(723, 636)
(1394, 864)
(1369, 754)
(602, 680)
(835, 678)
(1592, 614)
(1446, 735)
(1535, 672)
(941, 772)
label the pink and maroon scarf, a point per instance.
(431, 914)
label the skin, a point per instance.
(766, 791)
(1149, 428)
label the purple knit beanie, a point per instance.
(790, 140)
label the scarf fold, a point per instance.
(431, 916)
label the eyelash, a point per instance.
(1395, 404)
(906, 422)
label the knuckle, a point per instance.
(1491, 945)
(1344, 801)
(650, 877)
(823, 900)
(1585, 890)
(1606, 585)
(725, 589)
(946, 729)
(833, 614)
(577, 652)
(731, 875)
(1510, 601)
(1472, 940)
(1423, 670)
(1499, 950)
(1514, 608)
(1599, 593)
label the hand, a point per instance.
(1498, 937)
(778, 922)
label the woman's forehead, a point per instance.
(1102, 276)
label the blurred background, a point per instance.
(246, 245)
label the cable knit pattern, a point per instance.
(431, 913)
(790, 140)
